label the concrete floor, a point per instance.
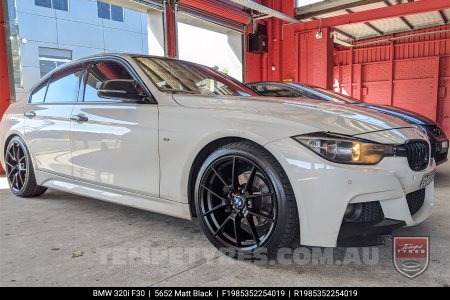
(38, 238)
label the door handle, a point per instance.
(29, 114)
(79, 118)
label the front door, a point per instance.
(114, 143)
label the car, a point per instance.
(181, 139)
(438, 138)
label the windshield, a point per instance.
(180, 77)
(317, 93)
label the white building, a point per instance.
(51, 32)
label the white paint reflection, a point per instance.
(308, 165)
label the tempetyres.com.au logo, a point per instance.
(284, 256)
(410, 256)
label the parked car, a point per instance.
(438, 138)
(177, 138)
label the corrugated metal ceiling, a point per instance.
(378, 28)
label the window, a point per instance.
(39, 92)
(178, 77)
(50, 59)
(43, 3)
(56, 4)
(64, 85)
(276, 91)
(109, 11)
(99, 73)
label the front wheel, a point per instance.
(245, 201)
(20, 171)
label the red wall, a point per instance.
(269, 66)
(412, 73)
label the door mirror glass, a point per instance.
(122, 89)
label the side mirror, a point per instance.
(122, 89)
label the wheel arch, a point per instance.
(200, 158)
(4, 146)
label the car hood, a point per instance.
(406, 115)
(311, 114)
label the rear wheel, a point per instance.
(20, 171)
(245, 201)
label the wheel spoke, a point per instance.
(237, 229)
(11, 154)
(233, 174)
(222, 226)
(11, 175)
(253, 230)
(219, 176)
(209, 190)
(251, 178)
(17, 152)
(10, 165)
(13, 182)
(17, 181)
(20, 179)
(214, 209)
(261, 216)
(259, 195)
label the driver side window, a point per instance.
(97, 74)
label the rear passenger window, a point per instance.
(38, 94)
(64, 85)
(99, 73)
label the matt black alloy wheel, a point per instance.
(16, 166)
(20, 171)
(238, 203)
(245, 202)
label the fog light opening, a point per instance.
(349, 211)
(352, 212)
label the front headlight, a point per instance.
(345, 150)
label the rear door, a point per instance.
(47, 120)
(115, 143)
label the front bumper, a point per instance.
(366, 234)
(324, 189)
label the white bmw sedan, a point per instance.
(181, 139)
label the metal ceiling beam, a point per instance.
(265, 10)
(443, 17)
(374, 28)
(406, 22)
(394, 11)
(343, 33)
(403, 19)
(328, 6)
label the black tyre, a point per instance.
(245, 201)
(19, 170)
